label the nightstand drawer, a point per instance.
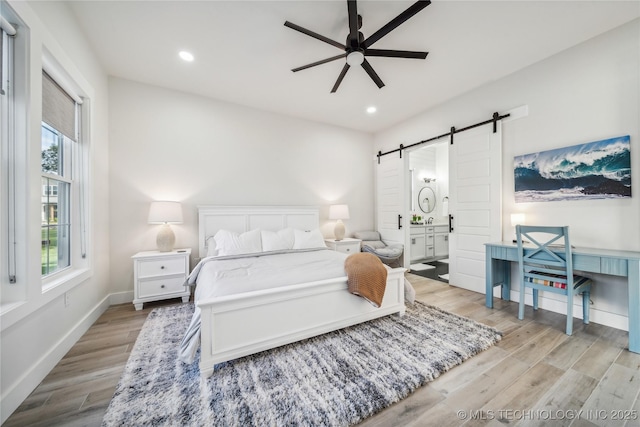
(150, 288)
(346, 246)
(161, 267)
(350, 248)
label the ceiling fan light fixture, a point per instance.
(355, 58)
(371, 109)
(357, 46)
(186, 56)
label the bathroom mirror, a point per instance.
(426, 199)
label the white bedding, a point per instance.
(217, 277)
(220, 276)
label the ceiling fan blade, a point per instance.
(369, 69)
(314, 35)
(352, 8)
(395, 22)
(323, 61)
(395, 53)
(340, 77)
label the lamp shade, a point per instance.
(517, 219)
(339, 212)
(165, 213)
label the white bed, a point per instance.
(237, 325)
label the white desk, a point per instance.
(500, 255)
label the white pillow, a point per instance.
(230, 243)
(211, 246)
(277, 240)
(308, 239)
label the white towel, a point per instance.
(445, 207)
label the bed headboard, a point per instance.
(244, 218)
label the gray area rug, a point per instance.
(336, 379)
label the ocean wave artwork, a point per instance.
(595, 170)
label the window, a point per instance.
(56, 202)
(49, 190)
(60, 177)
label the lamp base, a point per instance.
(338, 231)
(165, 239)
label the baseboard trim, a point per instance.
(121, 298)
(28, 382)
(600, 317)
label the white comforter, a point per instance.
(221, 276)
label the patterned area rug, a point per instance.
(336, 379)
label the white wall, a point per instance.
(39, 331)
(167, 145)
(586, 93)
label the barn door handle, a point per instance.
(450, 223)
(399, 222)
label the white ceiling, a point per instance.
(244, 53)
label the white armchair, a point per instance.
(373, 243)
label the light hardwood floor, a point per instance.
(535, 376)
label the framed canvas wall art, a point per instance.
(595, 170)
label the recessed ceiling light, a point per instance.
(186, 56)
(371, 109)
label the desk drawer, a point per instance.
(587, 263)
(614, 266)
(500, 253)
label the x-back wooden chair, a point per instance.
(546, 265)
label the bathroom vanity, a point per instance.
(429, 241)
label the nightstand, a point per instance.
(160, 275)
(346, 245)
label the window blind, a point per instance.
(6, 30)
(8, 142)
(7, 27)
(58, 108)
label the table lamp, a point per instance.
(517, 219)
(339, 212)
(165, 213)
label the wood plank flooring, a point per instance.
(536, 375)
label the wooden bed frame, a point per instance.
(238, 325)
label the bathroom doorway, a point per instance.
(471, 192)
(428, 250)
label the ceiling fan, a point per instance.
(357, 48)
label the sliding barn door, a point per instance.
(390, 206)
(474, 202)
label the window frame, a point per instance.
(31, 55)
(74, 173)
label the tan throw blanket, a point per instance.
(366, 277)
